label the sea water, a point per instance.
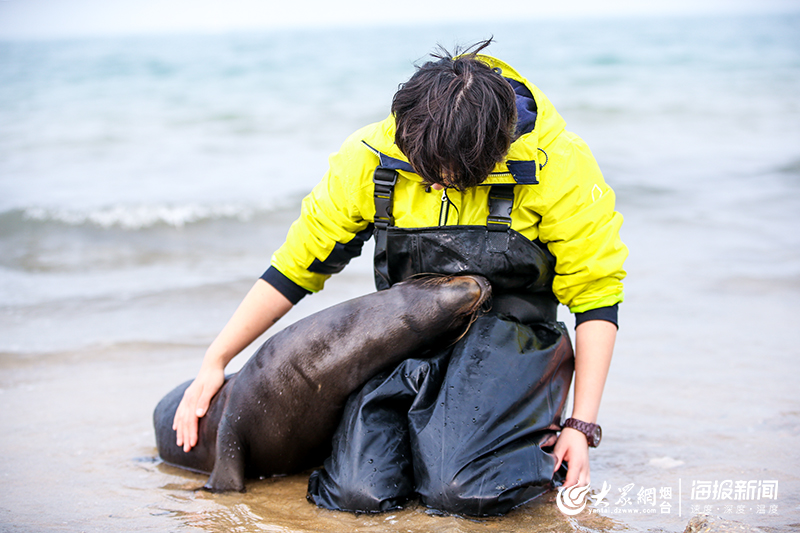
(146, 180)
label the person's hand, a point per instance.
(573, 448)
(194, 404)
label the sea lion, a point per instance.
(278, 414)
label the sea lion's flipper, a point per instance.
(228, 473)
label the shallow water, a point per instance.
(144, 184)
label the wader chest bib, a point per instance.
(460, 427)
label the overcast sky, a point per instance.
(59, 18)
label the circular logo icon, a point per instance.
(572, 500)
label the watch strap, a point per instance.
(592, 431)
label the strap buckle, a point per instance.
(501, 201)
(385, 180)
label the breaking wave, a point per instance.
(136, 217)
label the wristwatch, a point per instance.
(593, 432)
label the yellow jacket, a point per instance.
(570, 209)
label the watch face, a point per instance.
(597, 435)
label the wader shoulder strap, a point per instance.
(385, 179)
(501, 201)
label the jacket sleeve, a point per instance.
(331, 228)
(580, 227)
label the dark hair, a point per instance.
(455, 118)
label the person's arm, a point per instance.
(594, 345)
(261, 308)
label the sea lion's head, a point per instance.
(464, 297)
